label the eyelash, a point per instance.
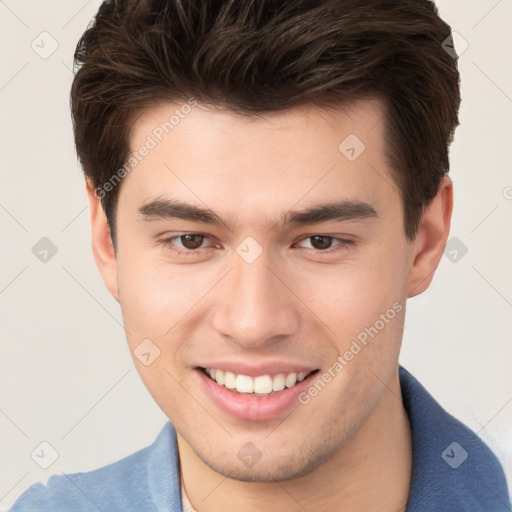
(169, 241)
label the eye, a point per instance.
(186, 243)
(324, 243)
(191, 241)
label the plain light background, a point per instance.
(66, 375)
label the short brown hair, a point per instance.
(262, 56)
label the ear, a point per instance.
(102, 246)
(430, 241)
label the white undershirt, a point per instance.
(186, 506)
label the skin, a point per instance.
(351, 444)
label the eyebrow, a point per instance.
(337, 211)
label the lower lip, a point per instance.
(251, 407)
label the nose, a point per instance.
(254, 307)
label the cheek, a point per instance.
(142, 299)
(352, 296)
(154, 300)
(157, 298)
(149, 302)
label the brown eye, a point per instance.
(324, 245)
(191, 241)
(320, 242)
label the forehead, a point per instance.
(167, 121)
(301, 155)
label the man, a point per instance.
(268, 186)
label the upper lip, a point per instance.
(254, 370)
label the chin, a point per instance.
(278, 468)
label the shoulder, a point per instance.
(453, 469)
(138, 482)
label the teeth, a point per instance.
(290, 380)
(219, 377)
(230, 380)
(278, 382)
(244, 384)
(261, 385)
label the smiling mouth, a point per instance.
(262, 385)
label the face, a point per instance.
(268, 253)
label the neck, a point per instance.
(371, 473)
